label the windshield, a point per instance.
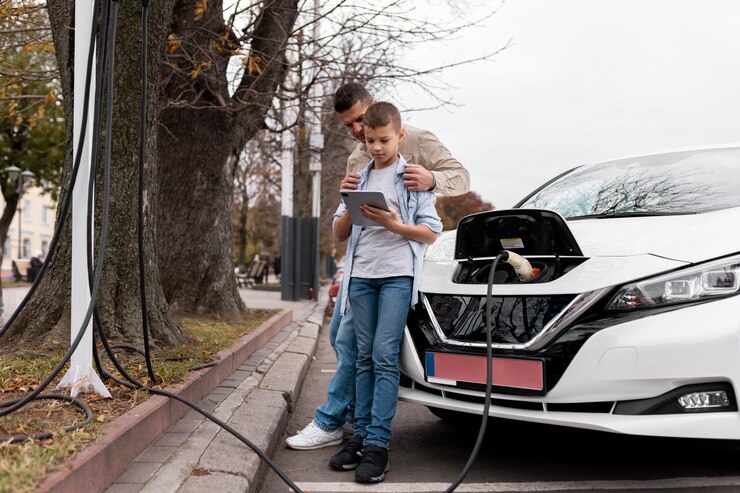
(677, 183)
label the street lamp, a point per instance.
(19, 180)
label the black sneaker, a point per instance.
(349, 457)
(373, 466)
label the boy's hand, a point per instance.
(350, 182)
(387, 219)
(417, 178)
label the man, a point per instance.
(430, 167)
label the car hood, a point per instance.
(617, 251)
(687, 238)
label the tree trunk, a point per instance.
(337, 147)
(242, 214)
(47, 315)
(202, 128)
(195, 244)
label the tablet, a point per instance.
(353, 199)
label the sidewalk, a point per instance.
(195, 455)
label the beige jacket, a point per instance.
(424, 148)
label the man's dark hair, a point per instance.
(348, 94)
(381, 114)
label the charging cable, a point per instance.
(13, 405)
(502, 256)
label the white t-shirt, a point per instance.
(380, 253)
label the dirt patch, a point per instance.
(24, 465)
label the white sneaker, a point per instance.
(312, 437)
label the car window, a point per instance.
(675, 183)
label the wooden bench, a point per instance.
(20, 270)
(255, 271)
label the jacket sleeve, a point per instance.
(340, 210)
(357, 160)
(426, 213)
(451, 177)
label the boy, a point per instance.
(382, 268)
(435, 169)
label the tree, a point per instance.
(336, 43)
(46, 316)
(209, 113)
(202, 127)
(452, 209)
(31, 113)
(257, 199)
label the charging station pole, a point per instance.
(315, 226)
(288, 288)
(81, 376)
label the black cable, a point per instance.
(140, 225)
(57, 234)
(103, 241)
(102, 61)
(66, 201)
(48, 434)
(16, 404)
(489, 378)
(134, 383)
(130, 347)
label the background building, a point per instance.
(37, 212)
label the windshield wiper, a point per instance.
(610, 215)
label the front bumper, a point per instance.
(638, 358)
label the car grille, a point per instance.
(515, 319)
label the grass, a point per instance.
(24, 465)
(11, 284)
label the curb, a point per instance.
(297, 358)
(99, 464)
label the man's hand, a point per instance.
(417, 178)
(387, 219)
(350, 182)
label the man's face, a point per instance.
(351, 118)
(382, 144)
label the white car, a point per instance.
(631, 323)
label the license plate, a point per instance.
(449, 369)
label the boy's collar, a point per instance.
(400, 166)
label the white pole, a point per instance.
(315, 168)
(81, 376)
(286, 204)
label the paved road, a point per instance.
(12, 297)
(428, 453)
(253, 298)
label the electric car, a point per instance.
(628, 317)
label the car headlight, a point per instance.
(443, 249)
(709, 280)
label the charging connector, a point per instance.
(521, 265)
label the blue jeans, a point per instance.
(380, 308)
(339, 406)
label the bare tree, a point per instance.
(340, 42)
(31, 113)
(46, 317)
(202, 128)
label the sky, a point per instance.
(584, 81)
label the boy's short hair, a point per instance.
(347, 95)
(381, 114)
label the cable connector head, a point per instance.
(521, 265)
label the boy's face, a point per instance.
(382, 144)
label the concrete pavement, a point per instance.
(255, 398)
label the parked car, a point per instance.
(631, 323)
(336, 280)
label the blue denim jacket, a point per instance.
(417, 208)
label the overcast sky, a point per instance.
(586, 81)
